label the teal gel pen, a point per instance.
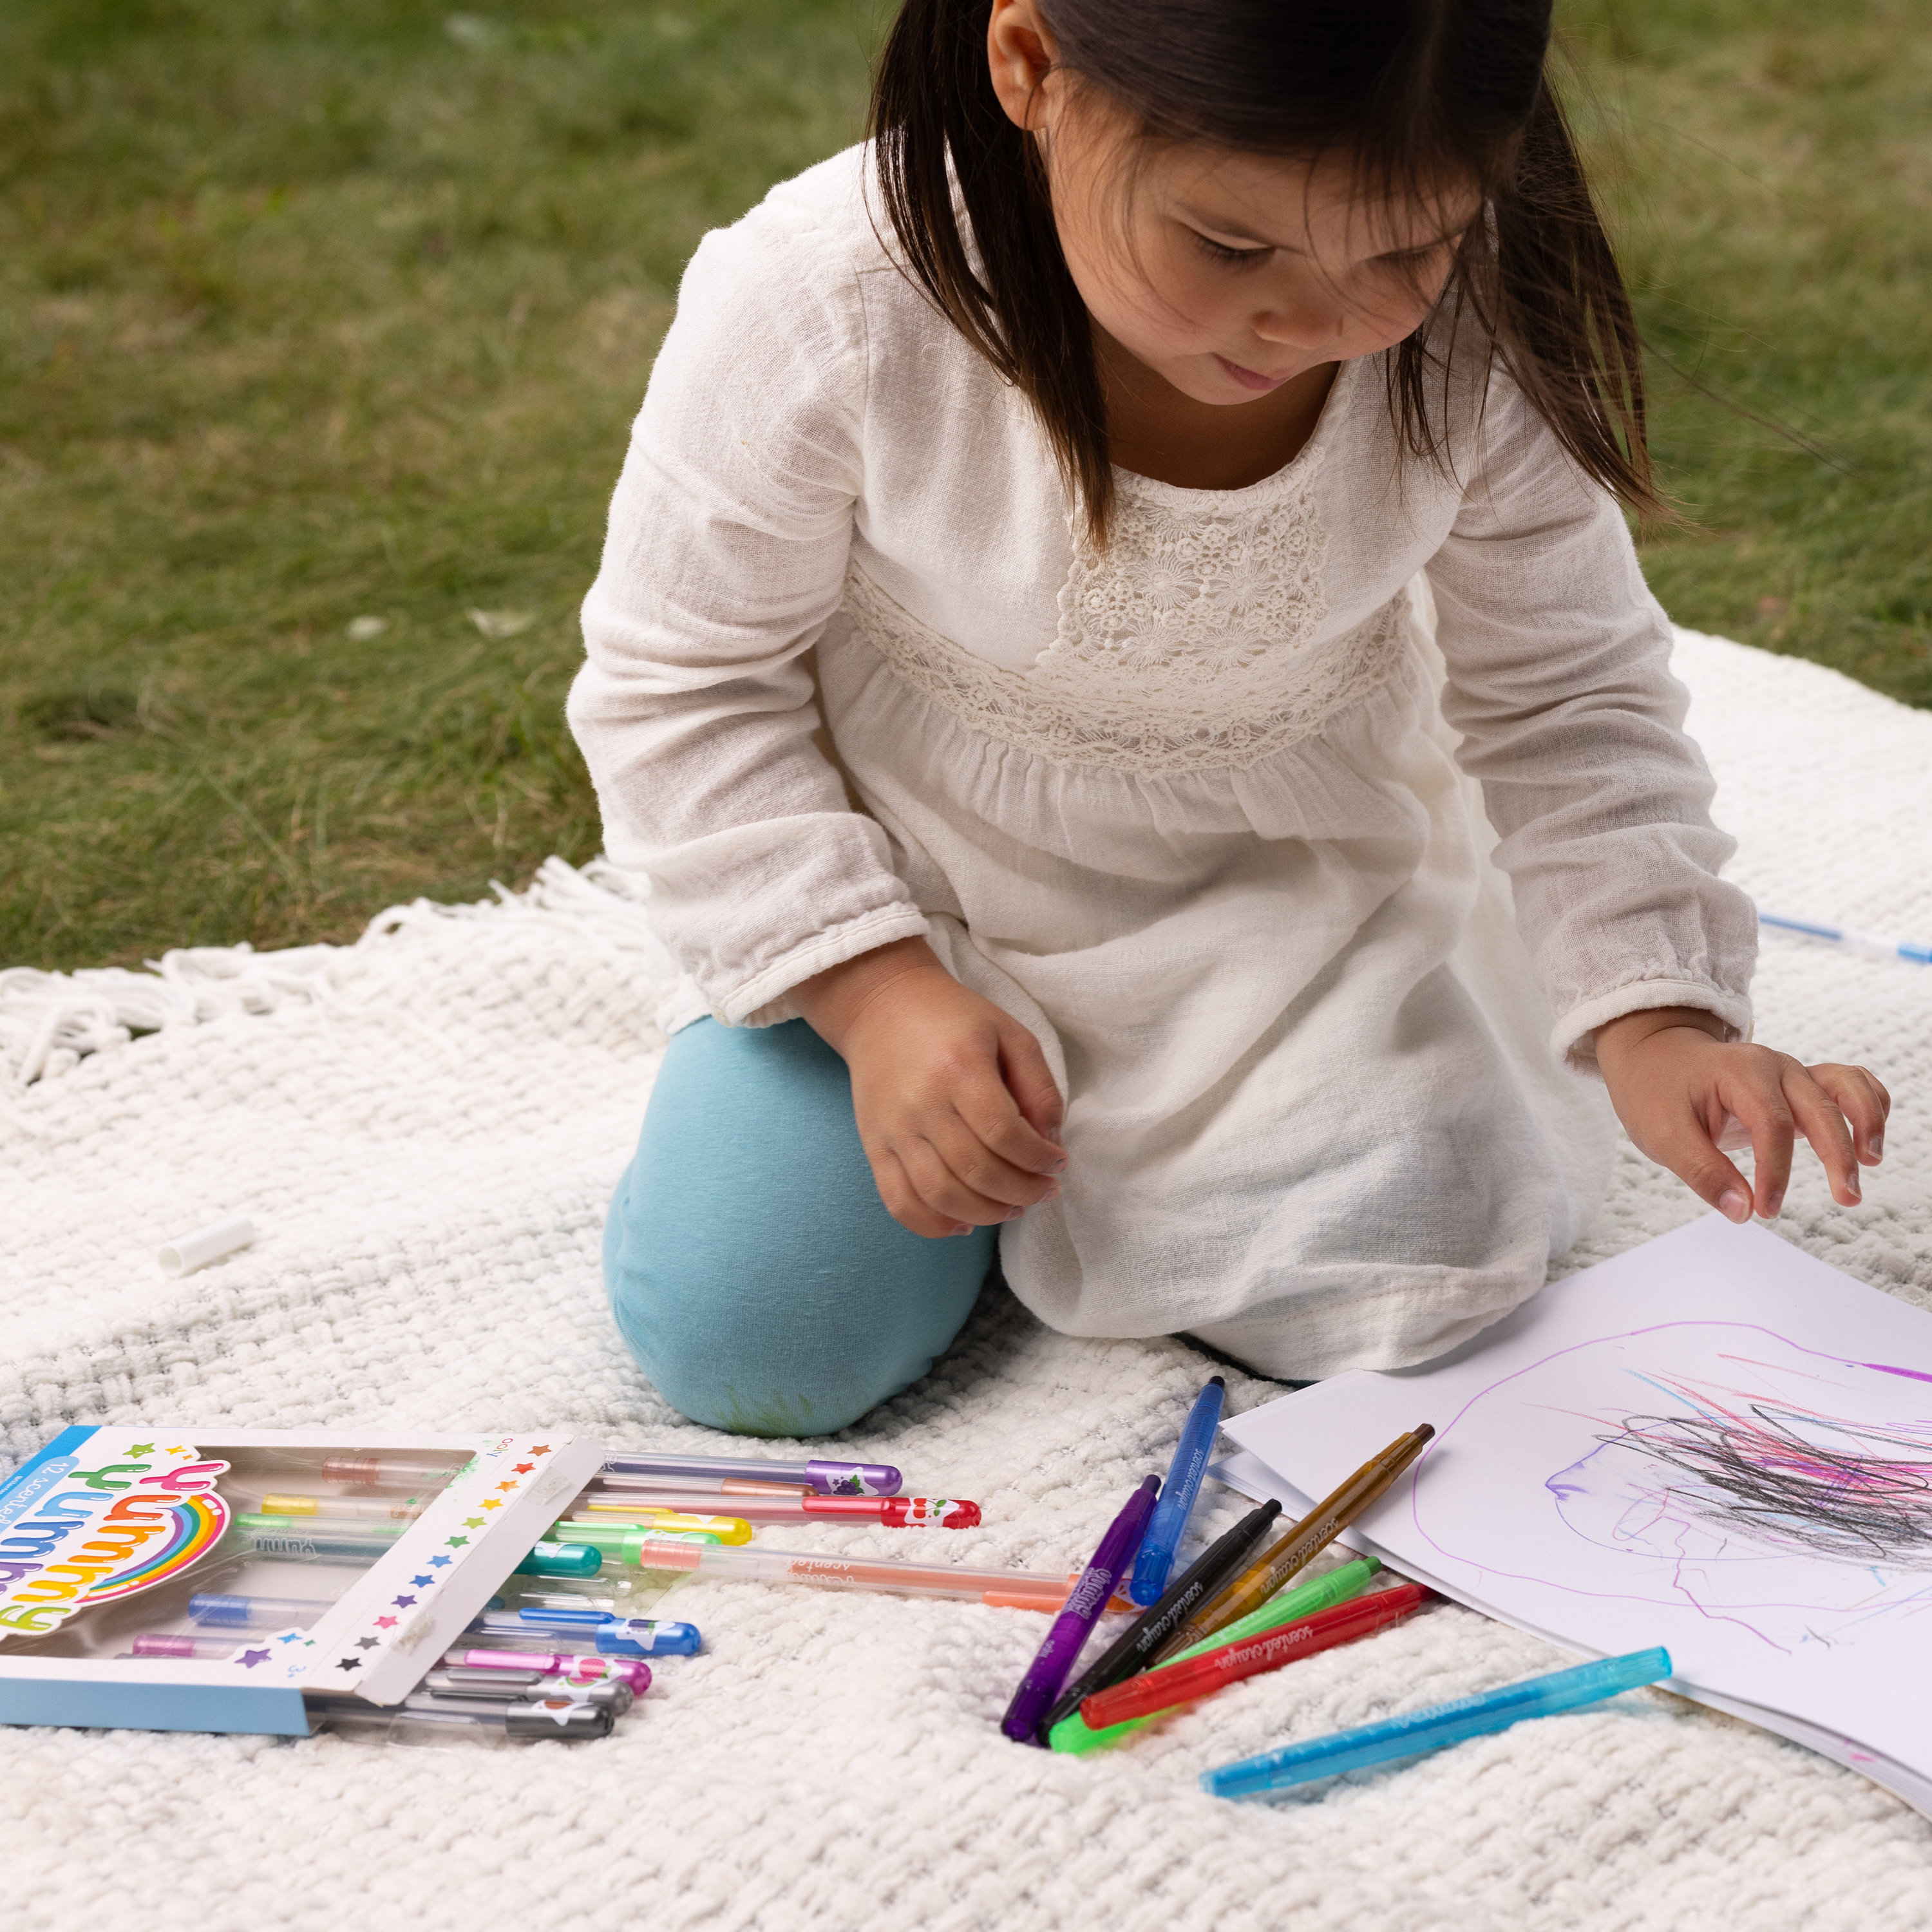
(1440, 1724)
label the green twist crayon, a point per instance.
(1318, 1593)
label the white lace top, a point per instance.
(1202, 809)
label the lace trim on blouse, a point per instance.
(1181, 647)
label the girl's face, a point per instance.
(1227, 274)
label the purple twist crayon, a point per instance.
(1046, 1676)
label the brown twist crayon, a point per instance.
(1308, 1538)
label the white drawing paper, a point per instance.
(1714, 1442)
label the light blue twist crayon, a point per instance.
(1177, 1494)
(1850, 937)
(1440, 1724)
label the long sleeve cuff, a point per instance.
(1573, 1038)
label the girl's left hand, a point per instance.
(1673, 1081)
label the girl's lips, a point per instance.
(1248, 379)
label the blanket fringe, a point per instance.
(50, 1021)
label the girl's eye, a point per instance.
(1413, 261)
(1219, 251)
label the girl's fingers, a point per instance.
(944, 1192)
(1762, 1104)
(1688, 1151)
(1861, 1096)
(974, 1164)
(902, 1200)
(998, 1112)
(1031, 1081)
(1822, 1123)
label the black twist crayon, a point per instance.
(1203, 1579)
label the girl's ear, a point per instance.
(1021, 53)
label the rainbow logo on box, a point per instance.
(72, 1538)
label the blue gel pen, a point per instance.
(1440, 1724)
(1177, 1494)
(220, 1611)
(613, 1636)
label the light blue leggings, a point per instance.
(753, 1269)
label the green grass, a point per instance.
(1768, 170)
(313, 311)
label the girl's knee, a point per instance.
(753, 1271)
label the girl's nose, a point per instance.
(1310, 323)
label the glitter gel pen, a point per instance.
(828, 1478)
(586, 1630)
(569, 1719)
(454, 1686)
(604, 1529)
(219, 1610)
(183, 1649)
(347, 1509)
(1012, 1589)
(289, 1540)
(482, 1663)
(889, 1512)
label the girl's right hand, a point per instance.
(957, 1111)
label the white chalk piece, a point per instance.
(205, 1245)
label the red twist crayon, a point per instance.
(1200, 1676)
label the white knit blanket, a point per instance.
(425, 1127)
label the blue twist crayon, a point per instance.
(1878, 945)
(1177, 1494)
(1440, 1724)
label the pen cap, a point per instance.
(647, 1636)
(914, 1512)
(558, 1718)
(854, 1479)
(205, 1245)
(560, 1559)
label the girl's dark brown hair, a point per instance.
(1416, 94)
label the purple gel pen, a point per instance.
(1046, 1676)
(828, 1478)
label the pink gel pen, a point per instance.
(568, 1667)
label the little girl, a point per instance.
(1118, 653)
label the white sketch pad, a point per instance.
(1713, 1442)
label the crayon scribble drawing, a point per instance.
(1718, 1466)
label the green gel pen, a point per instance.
(1318, 1593)
(622, 1543)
